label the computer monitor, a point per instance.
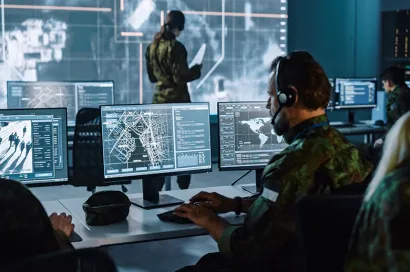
(71, 95)
(155, 140)
(246, 137)
(353, 93)
(33, 146)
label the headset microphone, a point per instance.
(276, 115)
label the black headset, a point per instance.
(286, 96)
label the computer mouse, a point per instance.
(379, 123)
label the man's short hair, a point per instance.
(301, 70)
(395, 74)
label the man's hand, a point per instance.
(62, 222)
(378, 143)
(215, 201)
(203, 217)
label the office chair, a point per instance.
(87, 155)
(325, 224)
(83, 260)
(88, 169)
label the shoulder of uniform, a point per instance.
(308, 154)
(179, 46)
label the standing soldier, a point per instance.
(167, 66)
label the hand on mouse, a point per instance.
(62, 222)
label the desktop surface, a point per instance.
(355, 93)
(157, 139)
(246, 137)
(33, 145)
(71, 95)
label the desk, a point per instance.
(362, 129)
(144, 225)
(80, 227)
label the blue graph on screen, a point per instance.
(107, 39)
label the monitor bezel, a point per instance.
(332, 94)
(46, 183)
(63, 81)
(145, 175)
(234, 168)
(352, 107)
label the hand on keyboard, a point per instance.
(170, 216)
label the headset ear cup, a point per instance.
(291, 97)
(282, 99)
(287, 97)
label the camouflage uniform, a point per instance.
(398, 103)
(318, 160)
(167, 66)
(381, 238)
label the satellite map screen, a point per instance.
(49, 94)
(140, 140)
(77, 40)
(246, 136)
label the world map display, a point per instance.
(256, 134)
(260, 126)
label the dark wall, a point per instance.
(390, 5)
(342, 35)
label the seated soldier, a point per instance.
(318, 160)
(25, 229)
(381, 240)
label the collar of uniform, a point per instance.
(397, 87)
(293, 132)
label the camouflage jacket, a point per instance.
(167, 66)
(381, 237)
(318, 160)
(398, 103)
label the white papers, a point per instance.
(199, 57)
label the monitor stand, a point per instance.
(257, 188)
(152, 199)
(349, 123)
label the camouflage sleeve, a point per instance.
(151, 75)
(403, 103)
(381, 240)
(269, 227)
(182, 73)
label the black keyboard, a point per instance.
(171, 217)
(74, 237)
